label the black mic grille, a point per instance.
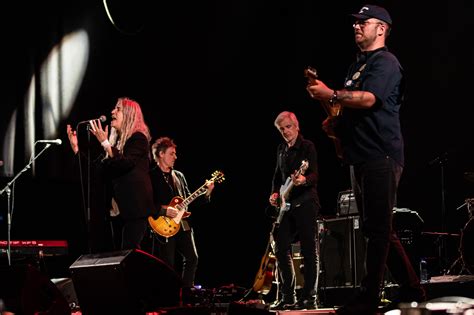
(102, 118)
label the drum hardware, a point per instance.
(469, 204)
(442, 161)
(442, 237)
(408, 225)
(466, 250)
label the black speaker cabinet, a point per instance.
(124, 282)
(342, 252)
(298, 263)
(25, 290)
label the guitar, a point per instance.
(285, 190)
(264, 278)
(166, 226)
(331, 109)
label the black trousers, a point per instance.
(182, 244)
(299, 223)
(133, 232)
(375, 185)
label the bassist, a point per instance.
(168, 183)
(301, 207)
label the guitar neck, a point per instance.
(201, 190)
(289, 184)
(288, 188)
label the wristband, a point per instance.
(105, 144)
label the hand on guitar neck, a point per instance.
(280, 199)
(318, 90)
(328, 99)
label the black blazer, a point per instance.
(129, 174)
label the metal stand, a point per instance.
(8, 191)
(458, 264)
(86, 200)
(469, 204)
(442, 160)
(89, 190)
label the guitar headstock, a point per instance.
(310, 73)
(217, 176)
(304, 166)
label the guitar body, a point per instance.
(264, 278)
(337, 146)
(166, 226)
(284, 206)
(285, 190)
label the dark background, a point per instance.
(214, 75)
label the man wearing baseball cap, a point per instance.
(368, 127)
(373, 11)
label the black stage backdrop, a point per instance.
(213, 75)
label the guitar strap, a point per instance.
(178, 184)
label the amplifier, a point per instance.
(342, 252)
(346, 204)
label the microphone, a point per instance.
(56, 141)
(102, 118)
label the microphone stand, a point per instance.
(87, 202)
(7, 190)
(89, 190)
(442, 161)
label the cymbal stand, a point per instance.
(9, 191)
(459, 261)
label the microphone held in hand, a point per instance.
(55, 141)
(102, 118)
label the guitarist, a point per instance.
(372, 146)
(168, 183)
(299, 221)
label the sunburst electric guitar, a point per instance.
(285, 190)
(166, 226)
(331, 109)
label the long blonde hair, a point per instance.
(133, 121)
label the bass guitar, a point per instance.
(332, 109)
(285, 190)
(264, 278)
(166, 226)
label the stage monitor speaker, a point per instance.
(342, 252)
(124, 282)
(66, 287)
(25, 290)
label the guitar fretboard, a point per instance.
(201, 190)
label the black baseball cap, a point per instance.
(373, 11)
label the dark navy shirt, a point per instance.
(373, 133)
